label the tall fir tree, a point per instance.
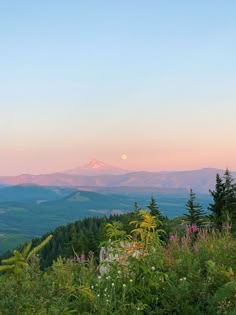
(195, 213)
(217, 207)
(224, 200)
(154, 209)
(229, 194)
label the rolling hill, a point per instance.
(23, 220)
(32, 193)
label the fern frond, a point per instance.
(7, 268)
(39, 247)
(26, 249)
(87, 293)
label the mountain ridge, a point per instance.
(200, 180)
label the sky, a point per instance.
(154, 80)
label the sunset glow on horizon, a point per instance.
(142, 85)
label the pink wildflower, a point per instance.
(194, 228)
(173, 238)
(188, 230)
(82, 258)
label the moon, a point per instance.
(124, 157)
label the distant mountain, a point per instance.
(96, 167)
(199, 180)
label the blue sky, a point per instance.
(152, 79)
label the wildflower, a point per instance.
(124, 285)
(119, 272)
(92, 287)
(188, 230)
(194, 228)
(153, 268)
(82, 258)
(99, 277)
(112, 284)
(130, 280)
(98, 295)
(173, 238)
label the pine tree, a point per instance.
(224, 200)
(217, 207)
(136, 206)
(154, 209)
(195, 213)
(229, 194)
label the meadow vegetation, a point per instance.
(149, 265)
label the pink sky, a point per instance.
(155, 81)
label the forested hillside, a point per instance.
(35, 210)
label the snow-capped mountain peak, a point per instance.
(96, 167)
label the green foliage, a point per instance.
(114, 231)
(136, 206)
(154, 209)
(20, 260)
(223, 207)
(217, 206)
(195, 214)
(145, 227)
(144, 275)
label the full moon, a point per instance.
(124, 157)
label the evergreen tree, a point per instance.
(224, 199)
(154, 209)
(229, 194)
(195, 213)
(136, 207)
(217, 207)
